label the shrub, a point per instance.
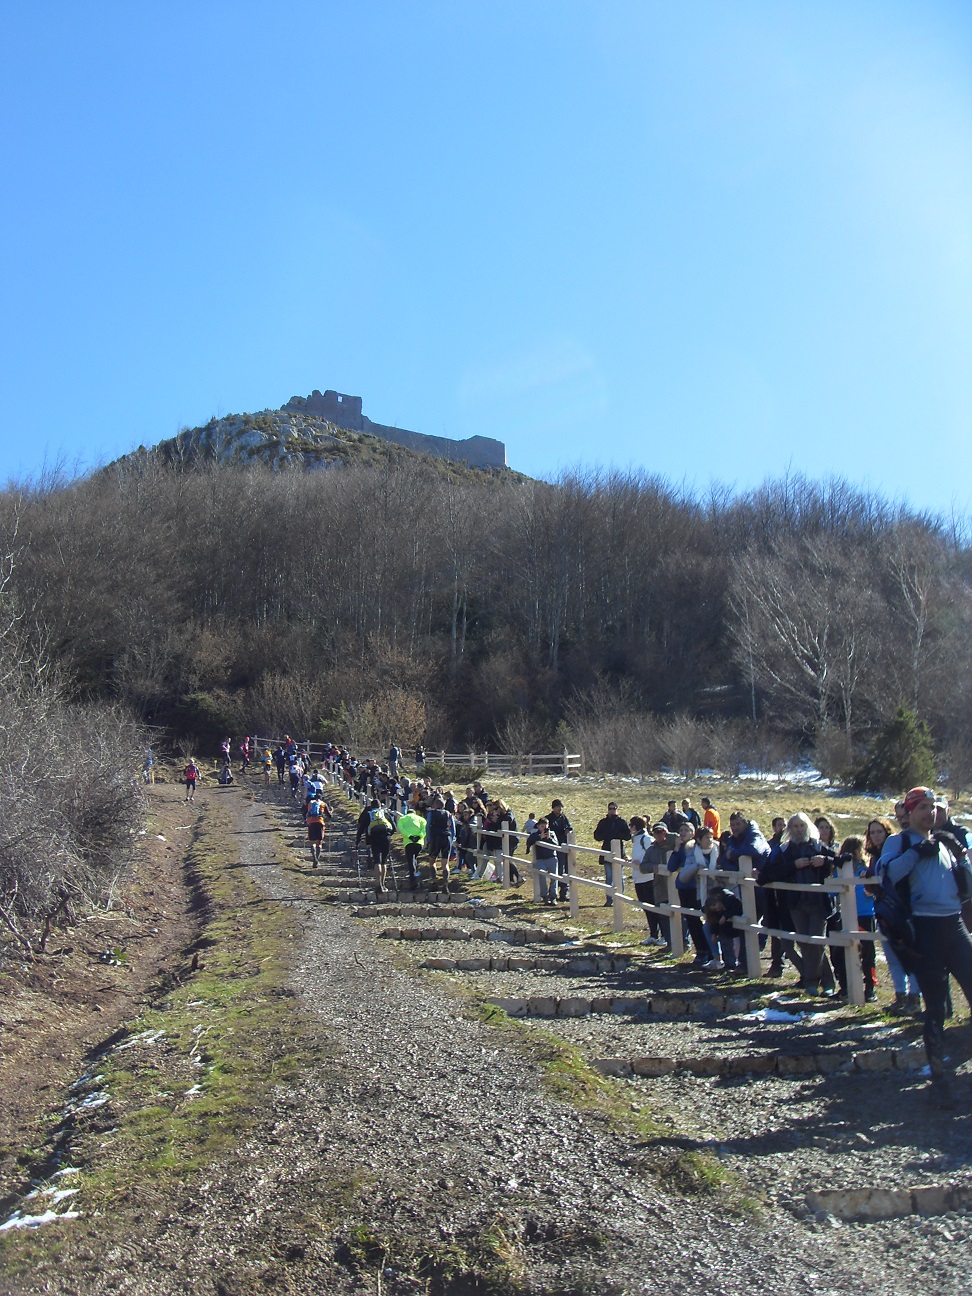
(900, 756)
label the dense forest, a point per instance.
(611, 612)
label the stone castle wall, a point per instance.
(345, 412)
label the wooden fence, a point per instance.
(748, 925)
(564, 762)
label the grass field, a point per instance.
(586, 798)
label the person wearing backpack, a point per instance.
(412, 827)
(379, 843)
(440, 836)
(190, 776)
(938, 882)
(316, 814)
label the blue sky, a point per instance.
(720, 239)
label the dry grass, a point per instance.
(585, 799)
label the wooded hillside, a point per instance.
(364, 602)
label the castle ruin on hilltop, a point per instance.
(345, 412)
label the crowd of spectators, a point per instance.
(926, 851)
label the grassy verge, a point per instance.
(192, 1073)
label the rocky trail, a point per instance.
(488, 1101)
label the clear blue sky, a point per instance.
(719, 239)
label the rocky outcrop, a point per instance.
(293, 438)
(345, 412)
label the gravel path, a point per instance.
(426, 1126)
(449, 1127)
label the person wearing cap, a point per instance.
(643, 874)
(937, 884)
(612, 828)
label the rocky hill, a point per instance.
(292, 438)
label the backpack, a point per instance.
(892, 913)
(379, 824)
(315, 812)
(961, 869)
(439, 821)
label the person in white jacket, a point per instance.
(643, 877)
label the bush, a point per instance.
(70, 802)
(900, 756)
(450, 775)
(206, 719)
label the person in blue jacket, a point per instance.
(938, 882)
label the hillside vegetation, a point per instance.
(611, 612)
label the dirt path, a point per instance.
(423, 1152)
(425, 1129)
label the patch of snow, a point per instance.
(774, 1015)
(89, 1103)
(146, 1037)
(17, 1221)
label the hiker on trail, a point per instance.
(224, 748)
(413, 828)
(245, 753)
(560, 827)
(612, 828)
(315, 817)
(440, 836)
(148, 767)
(267, 763)
(280, 760)
(394, 756)
(226, 776)
(379, 843)
(190, 776)
(364, 819)
(294, 778)
(419, 758)
(938, 882)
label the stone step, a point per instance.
(768, 1062)
(508, 936)
(572, 965)
(373, 904)
(583, 1006)
(862, 1204)
(433, 908)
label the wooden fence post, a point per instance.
(572, 889)
(536, 872)
(750, 916)
(617, 886)
(676, 932)
(852, 952)
(479, 853)
(504, 873)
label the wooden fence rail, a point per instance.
(563, 762)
